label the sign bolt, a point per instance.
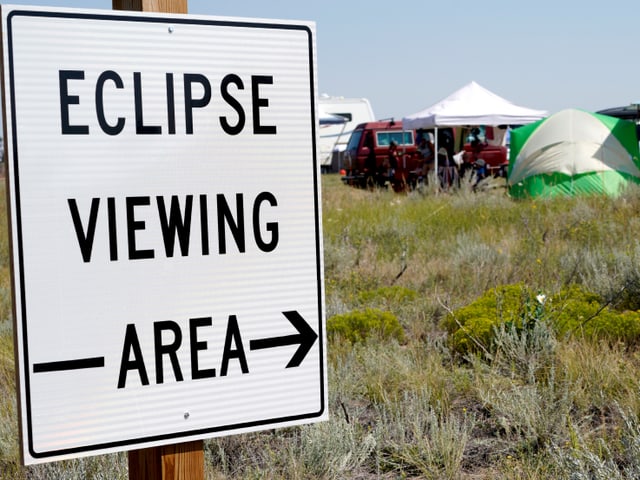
(186, 415)
(170, 29)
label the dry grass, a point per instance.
(539, 407)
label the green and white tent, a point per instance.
(573, 152)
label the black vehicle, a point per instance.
(630, 112)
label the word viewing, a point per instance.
(175, 219)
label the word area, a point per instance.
(133, 359)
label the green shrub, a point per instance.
(474, 335)
(572, 311)
(580, 312)
(471, 328)
(358, 326)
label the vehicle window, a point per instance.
(401, 138)
(348, 116)
(382, 139)
(354, 140)
(407, 138)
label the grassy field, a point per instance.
(513, 393)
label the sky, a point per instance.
(406, 56)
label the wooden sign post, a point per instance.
(166, 6)
(184, 461)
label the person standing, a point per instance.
(370, 163)
(391, 162)
(427, 154)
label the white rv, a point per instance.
(333, 136)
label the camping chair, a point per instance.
(447, 170)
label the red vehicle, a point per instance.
(480, 154)
(368, 151)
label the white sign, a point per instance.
(165, 220)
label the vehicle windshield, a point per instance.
(354, 140)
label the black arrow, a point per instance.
(306, 337)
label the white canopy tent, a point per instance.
(471, 105)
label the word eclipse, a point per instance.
(229, 87)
